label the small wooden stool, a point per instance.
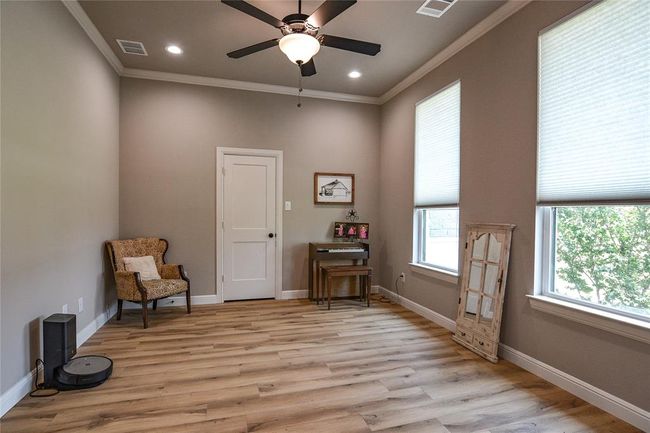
(330, 272)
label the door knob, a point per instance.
(271, 235)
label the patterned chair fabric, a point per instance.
(129, 285)
(138, 248)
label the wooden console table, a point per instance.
(319, 252)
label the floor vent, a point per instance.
(435, 8)
(132, 47)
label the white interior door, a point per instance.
(249, 227)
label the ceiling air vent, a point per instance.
(132, 47)
(435, 8)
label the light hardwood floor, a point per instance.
(289, 366)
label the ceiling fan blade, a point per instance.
(328, 11)
(251, 10)
(253, 49)
(308, 69)
(362, 47)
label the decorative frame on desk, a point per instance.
(348, 230)
(333, 188)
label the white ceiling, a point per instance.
(207, 30)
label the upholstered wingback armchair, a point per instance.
(130, 285)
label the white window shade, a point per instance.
(594, 106)
(437, 149)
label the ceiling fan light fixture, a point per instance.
(299, 47)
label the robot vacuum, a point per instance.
(83, 372)
(61, 370)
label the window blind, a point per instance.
(594, 106)
(437, 149)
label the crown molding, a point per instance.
(491, 21)
(84, 21)
(245, 85)
(494, 19)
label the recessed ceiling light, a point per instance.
(174, 49)
(354, 74)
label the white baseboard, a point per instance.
(176, 301)
(93, 326)
(16, 393)
(436, 318)
(618, 407)
(602, 399)
(295, 294)
(21, 388)
(304, 293)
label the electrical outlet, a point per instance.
(402, 277)
(64, 309)
(81, 304)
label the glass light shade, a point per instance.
(299, 47)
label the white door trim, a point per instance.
(278, 155)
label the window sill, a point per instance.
(622, 325)
(439, 274)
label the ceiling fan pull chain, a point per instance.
(299, 87)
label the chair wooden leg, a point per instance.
(329, 292)
(368, 287)
(188, 300)
(155, 304)
(119, 309)
(145, 319)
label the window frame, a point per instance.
(541, 298)
(419, 232)
(417, 263)
(549, 236)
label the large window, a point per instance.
(594, 157)
(437, 162)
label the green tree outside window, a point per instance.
(603, 256)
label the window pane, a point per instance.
(474, 282)
(440, 243)
(491, 276)
(602, 256)
(494, 250)
(487, 309)
(478, 251)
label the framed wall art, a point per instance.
(333, 188)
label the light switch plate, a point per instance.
(81, 304)
(64, 309)
(287, 205)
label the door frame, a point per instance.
(279, 174)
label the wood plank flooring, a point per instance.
(290, 366)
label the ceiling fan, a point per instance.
(300, 40)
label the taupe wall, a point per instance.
(498, 150)
(60, 180)
(60, 143)
(169, 134)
